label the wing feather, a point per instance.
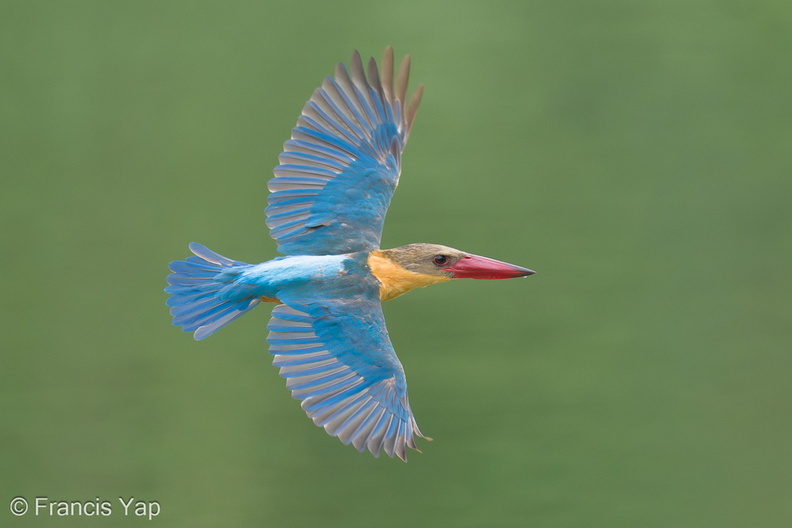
(337, 358)
(342, 163)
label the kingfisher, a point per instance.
(326, 209)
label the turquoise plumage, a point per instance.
(326, 210)
(341, 166)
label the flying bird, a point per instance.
(326, 209)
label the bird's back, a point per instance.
(308, 277)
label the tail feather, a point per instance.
(195, 286)
(206, 254)
(193, 268)
(193, 308)
(186, 298)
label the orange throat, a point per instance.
(394, 279)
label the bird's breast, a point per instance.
(395, 280)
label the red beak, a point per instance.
(483, 268)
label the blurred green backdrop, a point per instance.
(637, 154)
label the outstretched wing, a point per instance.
(339, 170)
(337, 358)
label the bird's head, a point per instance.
(404, 268)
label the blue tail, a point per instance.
(196, 301)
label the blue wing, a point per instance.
(337, 358)
(339, 170)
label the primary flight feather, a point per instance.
(326, 210)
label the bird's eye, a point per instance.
(440, 260)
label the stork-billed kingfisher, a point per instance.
(328, 200)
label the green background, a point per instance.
(637, 154)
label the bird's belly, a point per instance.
(269, 299)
